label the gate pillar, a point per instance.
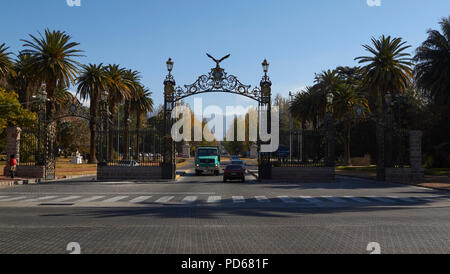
(265, 166)
(168, 165)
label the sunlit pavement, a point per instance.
(204, 215)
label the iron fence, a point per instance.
(134, 147)
(305, 148)
(32, 149)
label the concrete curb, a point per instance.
(39, 181)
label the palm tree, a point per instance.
(346, 104)
(118, 91)
(25, 80)
(6, 65)
(387, 70)
(52, 54)
(92, 81)
(132, 80)
(433, 64)
(141, 104)
(309, 106)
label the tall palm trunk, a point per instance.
(380, 140)
(347, 153)
(93, 128)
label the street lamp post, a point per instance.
(265, 168)
(330, 159)
(291, 125)
(42, 97)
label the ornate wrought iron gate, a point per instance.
(216, 81)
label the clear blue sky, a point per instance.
(299, 38)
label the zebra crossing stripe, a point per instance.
(214, 199)
(114, 199)
(381, 199)
(190, 199)
(262, 199)
(357, 199)
(140, 199)
(404, 199)
(41, 199)
(67, 199)
(1, 197)
(287, 200)
(334, 199)
(164, 199)
(311, 199)
(238, 199)
(426, 199)
(90, 199)
(13, 199)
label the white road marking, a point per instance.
(164, 199)
(190, 199)
(140, 199)
(1, 197)
(214, 199)
(311, 200)
(67, 199)
(90, 199)
(404, 199)
(334, 199)
(13, 199)
(40, 199)
(114, 199)
(381, 199)
(262, 199)
(357, 199)
(287, 200)
(238, 199)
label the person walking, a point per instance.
(12, 166)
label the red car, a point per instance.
(234, 172)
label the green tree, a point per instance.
(387, 70)
(92, 81)
(432, 74)
(6, 65)
(118, 91)
(12, 114)
(25, 81)
(132, 80)
(53, 64)
(141, 105)
(432, 70)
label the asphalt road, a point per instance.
(202, 215)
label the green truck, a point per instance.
(207, 160)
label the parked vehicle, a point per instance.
(238, 162)
(235, 157)
(234, 172)
(207, 159)
(128, 163)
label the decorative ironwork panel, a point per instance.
(217, 81)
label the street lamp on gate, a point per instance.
(265, 66)
(169, 64)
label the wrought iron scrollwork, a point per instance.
(217, 81)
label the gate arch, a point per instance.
(216, 81)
